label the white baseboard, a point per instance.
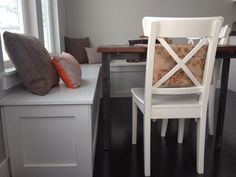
(4, 168)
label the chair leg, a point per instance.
(201, 131)
(147, 145)
(211, 102)
(181, 131)
(164, 127)
(211, 107)
(134, 122)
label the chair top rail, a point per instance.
(165, 26)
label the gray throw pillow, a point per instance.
(32, 61)
(76, 47)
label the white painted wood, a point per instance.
(223, 39)
(95, 107)
(9, 79)
(134, 122)
(160, 105)
(1, 57)
(4, 168)
(60, 95)
(147, 144)
(164, 127)
(53, 138)
(49, 139)
(181, 131)
(201, 126)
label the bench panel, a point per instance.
(46, 140)
(53, 135)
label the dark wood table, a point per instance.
(226, 53)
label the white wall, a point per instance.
(116, 21)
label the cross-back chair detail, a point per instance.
(160, 102)
(223, 39)
(181, 63)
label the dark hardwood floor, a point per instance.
(169, 159)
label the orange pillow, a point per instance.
(68, 69)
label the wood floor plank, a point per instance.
(169, 159)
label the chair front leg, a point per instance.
(211, 102)
(147, 145)
(134, 122)
(211, 107)
(201, 131)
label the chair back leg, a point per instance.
(164, 127)
(181, 131)
(134, 122)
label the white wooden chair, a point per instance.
(157, 102)
(223, 39)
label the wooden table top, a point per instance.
(223, 51)
(143, 48)
(121, 48)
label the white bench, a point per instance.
(53, 135)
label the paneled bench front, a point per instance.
(53, 135)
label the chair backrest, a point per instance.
(207, 28)
(224, 35)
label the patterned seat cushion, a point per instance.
(163, 63)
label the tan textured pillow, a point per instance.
(32, 61)
(68, 69)
(76, 48)
(163, 63)
(93, 56)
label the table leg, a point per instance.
(222, 102)
(106, 100)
